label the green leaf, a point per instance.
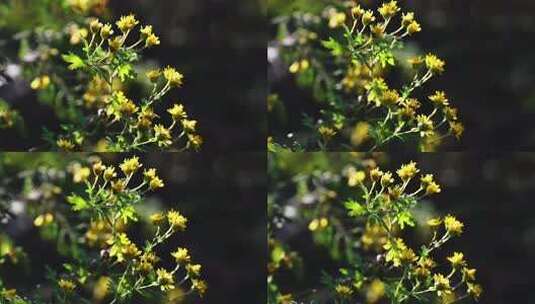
(125, 71)
(128, 213)
(77, 202)
(355, 209)
(75, 61)
(405, 218)
(336, 48)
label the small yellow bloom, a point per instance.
(173, 76)
(408, 171)
(66, 285)
(177, 112)
(407, 18)
(43, 219)
(181, 256)
(355, 177)
(414, 27)
(474, 290)
(368, 17)
(337, 19)
(109, 173)
(388, 10)
(344, 291)
(95, 26)
(469, 274)
(453, 226)
(127, 23)
(153, 75)
(434, 222)
(200, 286)
(439, 98)
(194, 270)
(106, 31)
(157, 218)
(165, 279)
(146, 31)
(177, 220)
(457, 260)
(152, 40)
(434, 64)
(156, 183)
(189, 125)
(80, 174)
(386, 179)
(195, 141)
(131, 165)
(442, 284)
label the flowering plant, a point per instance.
(362, 216)
(91, 229)
(354, 60)
(84, 69)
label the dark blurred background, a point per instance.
(218, 45)
(223, 196)
(488, 47)
(491, 193)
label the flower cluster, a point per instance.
(348, 70)
(108, 56)
(91, 228)
(368, 233)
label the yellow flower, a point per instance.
(414, 27)
(326, 132)
(98, 167)
(294, 67)
(368, 17)
(109, 173)
(127, 23)
(386, 179)
(163, 135)
(40, 83)
(343, 291)
(360, 133)
(118, 186)
(177, 220)
(146, 31)
(80, 174)
(357, 11)
(457, 129)
(153, 75)
(434, 64)
(131, 165)
(66, 285)
(156, 183)
(375, 291)
(65, 144)
(337, 19)
(152, 40)
(194, 270)
(375, 174)
(434, 222)
(390, 98)
(442, 284)
(177, 112)
(115, 43)
(469, 274)
(195, 141)
(439, 98)
(408, 171)
(407, 18)
(316, 224)
(200, 286)
(388, 10)
(43, 219)
(165, 279)
(457, 260)
(157, 218)
(474, 290)
(181, 256)
(432, 188)
(355, 177)
(173, 76)
(189, 125)
(95, 26)
(453, 226)
(106, 31)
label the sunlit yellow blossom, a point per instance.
(80, 174)
(457, 260)
(194, 270)
(65, 144)
(337, 19)
(109, 173)
(343, 291)
(177, 112)
(130, 165)
(434, 64)
(127, 23)
(173, 76)
(157, 218)
(474, 290)
(177, 220)
(189, 125)
(414, 27)
(453, 226)
(442, 284)
(165, 279)
(388, 10)
(368, 17)
(181, 256)
(408, 171)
